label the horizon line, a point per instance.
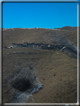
(38, 27)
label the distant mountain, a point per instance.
(69, 28)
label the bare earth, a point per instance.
(55, 70)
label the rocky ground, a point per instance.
(52, 74)
(55, 70)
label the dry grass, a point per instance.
(47, 36)
(55, 70)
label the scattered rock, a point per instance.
(57, 93)
(31, 68)
(54, 74)
(43, 78)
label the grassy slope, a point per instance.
(38, 36)
(57, 70)
(61, 87)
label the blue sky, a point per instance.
(39, 15)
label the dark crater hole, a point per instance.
(21, 84)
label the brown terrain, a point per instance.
(54, 71)
(40, 35)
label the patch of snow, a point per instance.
(66, 105)
(4, 29)
(32, 99)
(23, 97)
(48, 45)
(63, 48)
(36, 89)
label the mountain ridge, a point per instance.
(38, 35)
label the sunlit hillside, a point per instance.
(52, 74)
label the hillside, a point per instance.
(55, 70)
(52, 74)
(40, 35)
(69, 28)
